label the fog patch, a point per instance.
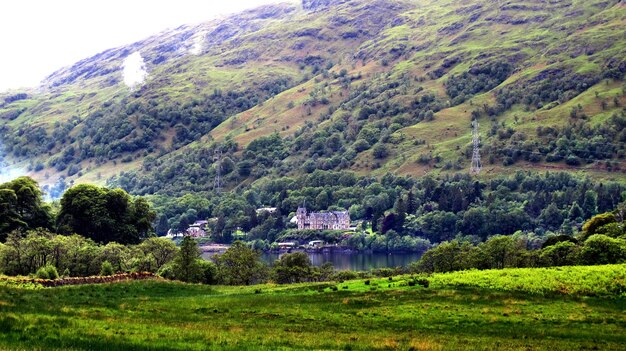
(198, 44)
(8, 173)
(134, 70)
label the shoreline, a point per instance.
(219, 248)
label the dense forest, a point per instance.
(405, 213)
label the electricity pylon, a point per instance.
(476, 165)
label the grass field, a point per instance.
(462, 311)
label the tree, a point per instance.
(292, 268)
(411, 203)
(475, 222)
(380, 151)
(590, 203)
(564, 253)
(186, 266)
(601, 249)
(437, 226)
(504, 251)
(240, 265)
(22, 206)
(117, 255)
(105, 215)
(575, 212)
(163, 250)
(551, 217)
(592, 225)
(9, 218)
(446, 257)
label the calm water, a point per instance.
(350, 261)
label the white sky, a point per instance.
(38, 37)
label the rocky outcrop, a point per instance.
(314, 5)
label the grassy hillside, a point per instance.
(456, 312)
(369, 86)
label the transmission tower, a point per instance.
(476, 165)
(217, 161)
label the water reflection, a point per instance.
(349, 261)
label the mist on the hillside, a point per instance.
(134, 70)
(7, 171)
(198, 44)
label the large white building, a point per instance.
(336, 220)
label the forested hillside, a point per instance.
(369, 86)
(273, 98)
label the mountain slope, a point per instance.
(371, 86)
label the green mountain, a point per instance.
(368, 86)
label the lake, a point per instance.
(357, 261)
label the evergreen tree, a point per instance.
(575, 212)
(590, 203)
(411, 203)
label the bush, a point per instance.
(591, 226)
(167, 271)
(47, 272)
(345, 275)
(423, 282)
(146, 263)
(106, 269)
(601, 249)
(293, 268)
(240, 265)
(208, 272)
(380, 151)
(564, 253)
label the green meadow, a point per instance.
(570, 308)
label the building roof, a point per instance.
(328, 215)
(266, 209)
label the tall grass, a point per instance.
(462, 310)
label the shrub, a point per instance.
(380, 151)
(423, 282)
(106, 269)
(553, 240)
(209, 272)
(240, 265)
(345, 275)
(591, 226)
(601, 249)
(146, 263)
(167, 271)
(564, 253)
(293, 268)
(47, 272)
